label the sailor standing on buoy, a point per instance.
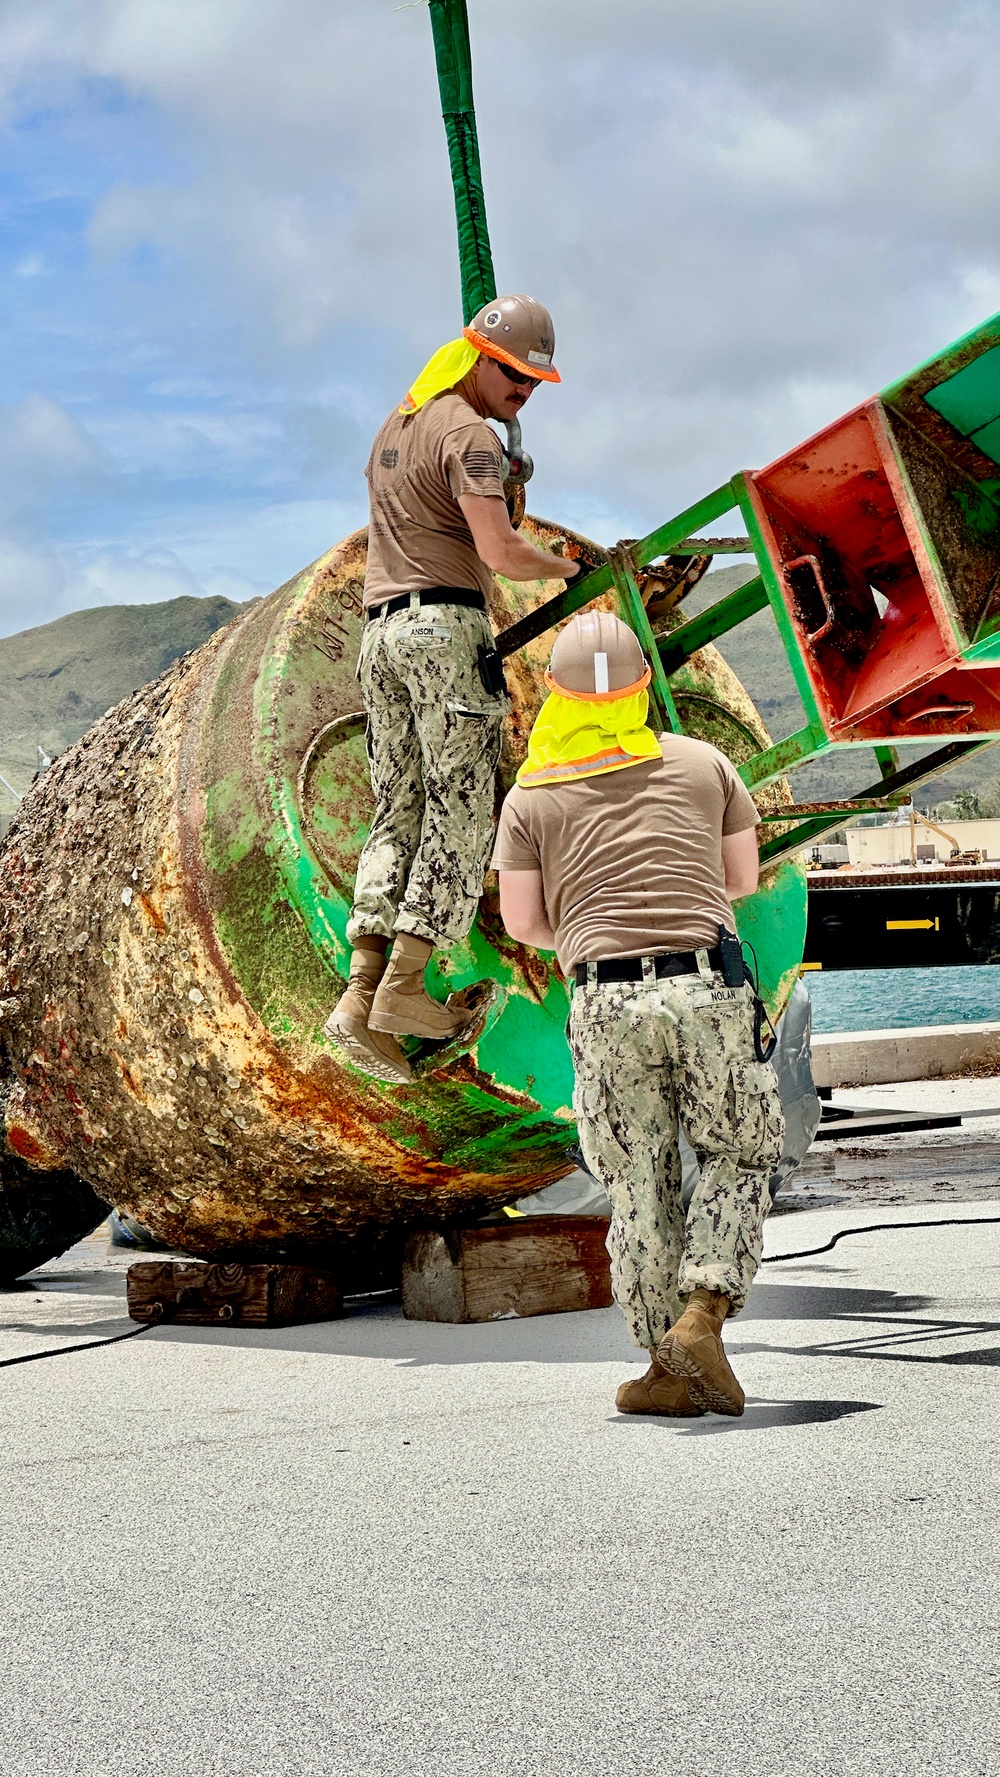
(623, 853)
(430, 675)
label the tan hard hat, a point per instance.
(518, 331)
(596, 659)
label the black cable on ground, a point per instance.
(34, 1357)
(811, 1252)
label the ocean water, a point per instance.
(887, 999)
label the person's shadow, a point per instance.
(877, 1325)
(759, 1415)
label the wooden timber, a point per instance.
(193, 1293)
(507, 1271)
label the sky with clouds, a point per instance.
(228, 245)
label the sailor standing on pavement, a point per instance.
(623, 853)
(430, 676)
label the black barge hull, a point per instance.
(913, 919)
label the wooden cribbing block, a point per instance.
(504, 1271)
(193, 1293)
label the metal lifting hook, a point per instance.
(517, 465)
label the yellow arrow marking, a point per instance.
(912, 925)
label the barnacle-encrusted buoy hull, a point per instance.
(176, 890)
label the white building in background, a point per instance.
(871, 848)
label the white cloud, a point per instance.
(39, 584)
(765, 150)
(31, 582)
(170, 442)
(38, 437)
(225, 558)
(980, 295)
(266, 545)
(743, 218)
(46, 456)
(114, 578)
(672, 135)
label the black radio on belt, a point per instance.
(491, 671)
(734, 969)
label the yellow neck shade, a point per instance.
(573, 738)
(447, 367)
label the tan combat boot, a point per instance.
(402, 1005)
(656, 1392)
(372, 1053)
(693, 1351)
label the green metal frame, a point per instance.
(745, 602)
(634, 613)
(901, 781)
(667, 654)
(678, 536)
(578, 593)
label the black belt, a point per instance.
(630, 968)
(431, 595)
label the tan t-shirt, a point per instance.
(419, 465)
(631, 861)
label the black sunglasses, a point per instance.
(517, 376)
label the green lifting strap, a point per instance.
(450, 25)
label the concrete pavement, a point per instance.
(378, 1547)
(922, 1166)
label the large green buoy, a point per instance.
(176, 891)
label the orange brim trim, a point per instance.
(600, 696)
(613, 759)
(489, 350)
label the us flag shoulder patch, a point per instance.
(389, 458)
(482, 465)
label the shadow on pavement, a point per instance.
(884, 1321)
(874, 1324)
(885, 1347)
(819, 1301)
(760, 1415)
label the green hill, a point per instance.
(55, 681)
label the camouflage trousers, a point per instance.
(648, 1056)
(433, 745)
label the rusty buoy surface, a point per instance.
(176, 890)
